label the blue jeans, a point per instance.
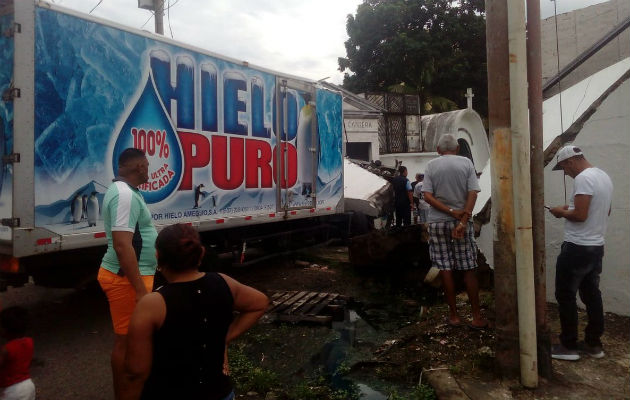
(578, 269)
(229, 396)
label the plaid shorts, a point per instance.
(452, 254)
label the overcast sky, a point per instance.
(300, 37)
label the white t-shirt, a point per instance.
(417, 193)
(596, 183)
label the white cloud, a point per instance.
(299, 37)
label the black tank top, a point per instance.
(188, 349)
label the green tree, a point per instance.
(436, 48)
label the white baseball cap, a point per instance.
(565, 153)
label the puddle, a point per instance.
(337, 357)
(368, 393)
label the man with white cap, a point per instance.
(580, 261)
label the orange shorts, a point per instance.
(121, 297)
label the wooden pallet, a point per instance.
(303, 306)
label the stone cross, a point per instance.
(469, 95)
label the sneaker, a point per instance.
(559, 352)
(593, 351)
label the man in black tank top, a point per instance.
(178, 335)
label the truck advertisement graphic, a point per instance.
(6, 121)
(222, 139)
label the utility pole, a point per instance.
(534, 78)
(157, 6)
(517, 39)
(159, 16)
(507, 349)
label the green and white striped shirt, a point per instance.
(124, 209)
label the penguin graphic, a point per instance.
(92, 209)
(84, 200)
(76, 209)
(307, 144)
(198, 193)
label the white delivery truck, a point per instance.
(232, 148)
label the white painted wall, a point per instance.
(577, 31)
(415, 162)
(363, 130)
(605, 141)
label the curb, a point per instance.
(445, 386)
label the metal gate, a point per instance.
(392, 127)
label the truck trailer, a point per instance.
(230, 145)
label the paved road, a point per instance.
(73, 336)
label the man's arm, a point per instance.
(471, 199)
(147, 317)
(438, 205)
(460, 229)
(581, 203)
(128, 260)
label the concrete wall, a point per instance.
(577, 31)
(605, 140)
(363, 129)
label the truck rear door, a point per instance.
(297, 155)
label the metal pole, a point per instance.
(159, 16)
(522, 193)
(534, 78)
(506, 307)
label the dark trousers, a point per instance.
(403, 215)
(578, 269)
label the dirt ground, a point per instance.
(394, 332)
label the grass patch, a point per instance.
(420, 392)
(247, 376)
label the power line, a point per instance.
(172, 5)
(168, 16)
(148, 19)
(97, 4)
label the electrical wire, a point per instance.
(555, 17)
(97, 4)
(168, 15)
(172, 5)
(555, 13)
(148, 19)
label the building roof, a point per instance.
(354, 102)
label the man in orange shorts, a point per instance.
(129, 264)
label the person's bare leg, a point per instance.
(472, 287)
(449, 292)
(118, 363)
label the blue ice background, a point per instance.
(6, 108)
(330, 135)
(87, 77)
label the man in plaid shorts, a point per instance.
(450, 187)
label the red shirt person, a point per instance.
(15, 356)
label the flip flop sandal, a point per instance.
(479, 328)
(451, 323)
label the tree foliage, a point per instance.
(436, 48)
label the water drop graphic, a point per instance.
(149, 128)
